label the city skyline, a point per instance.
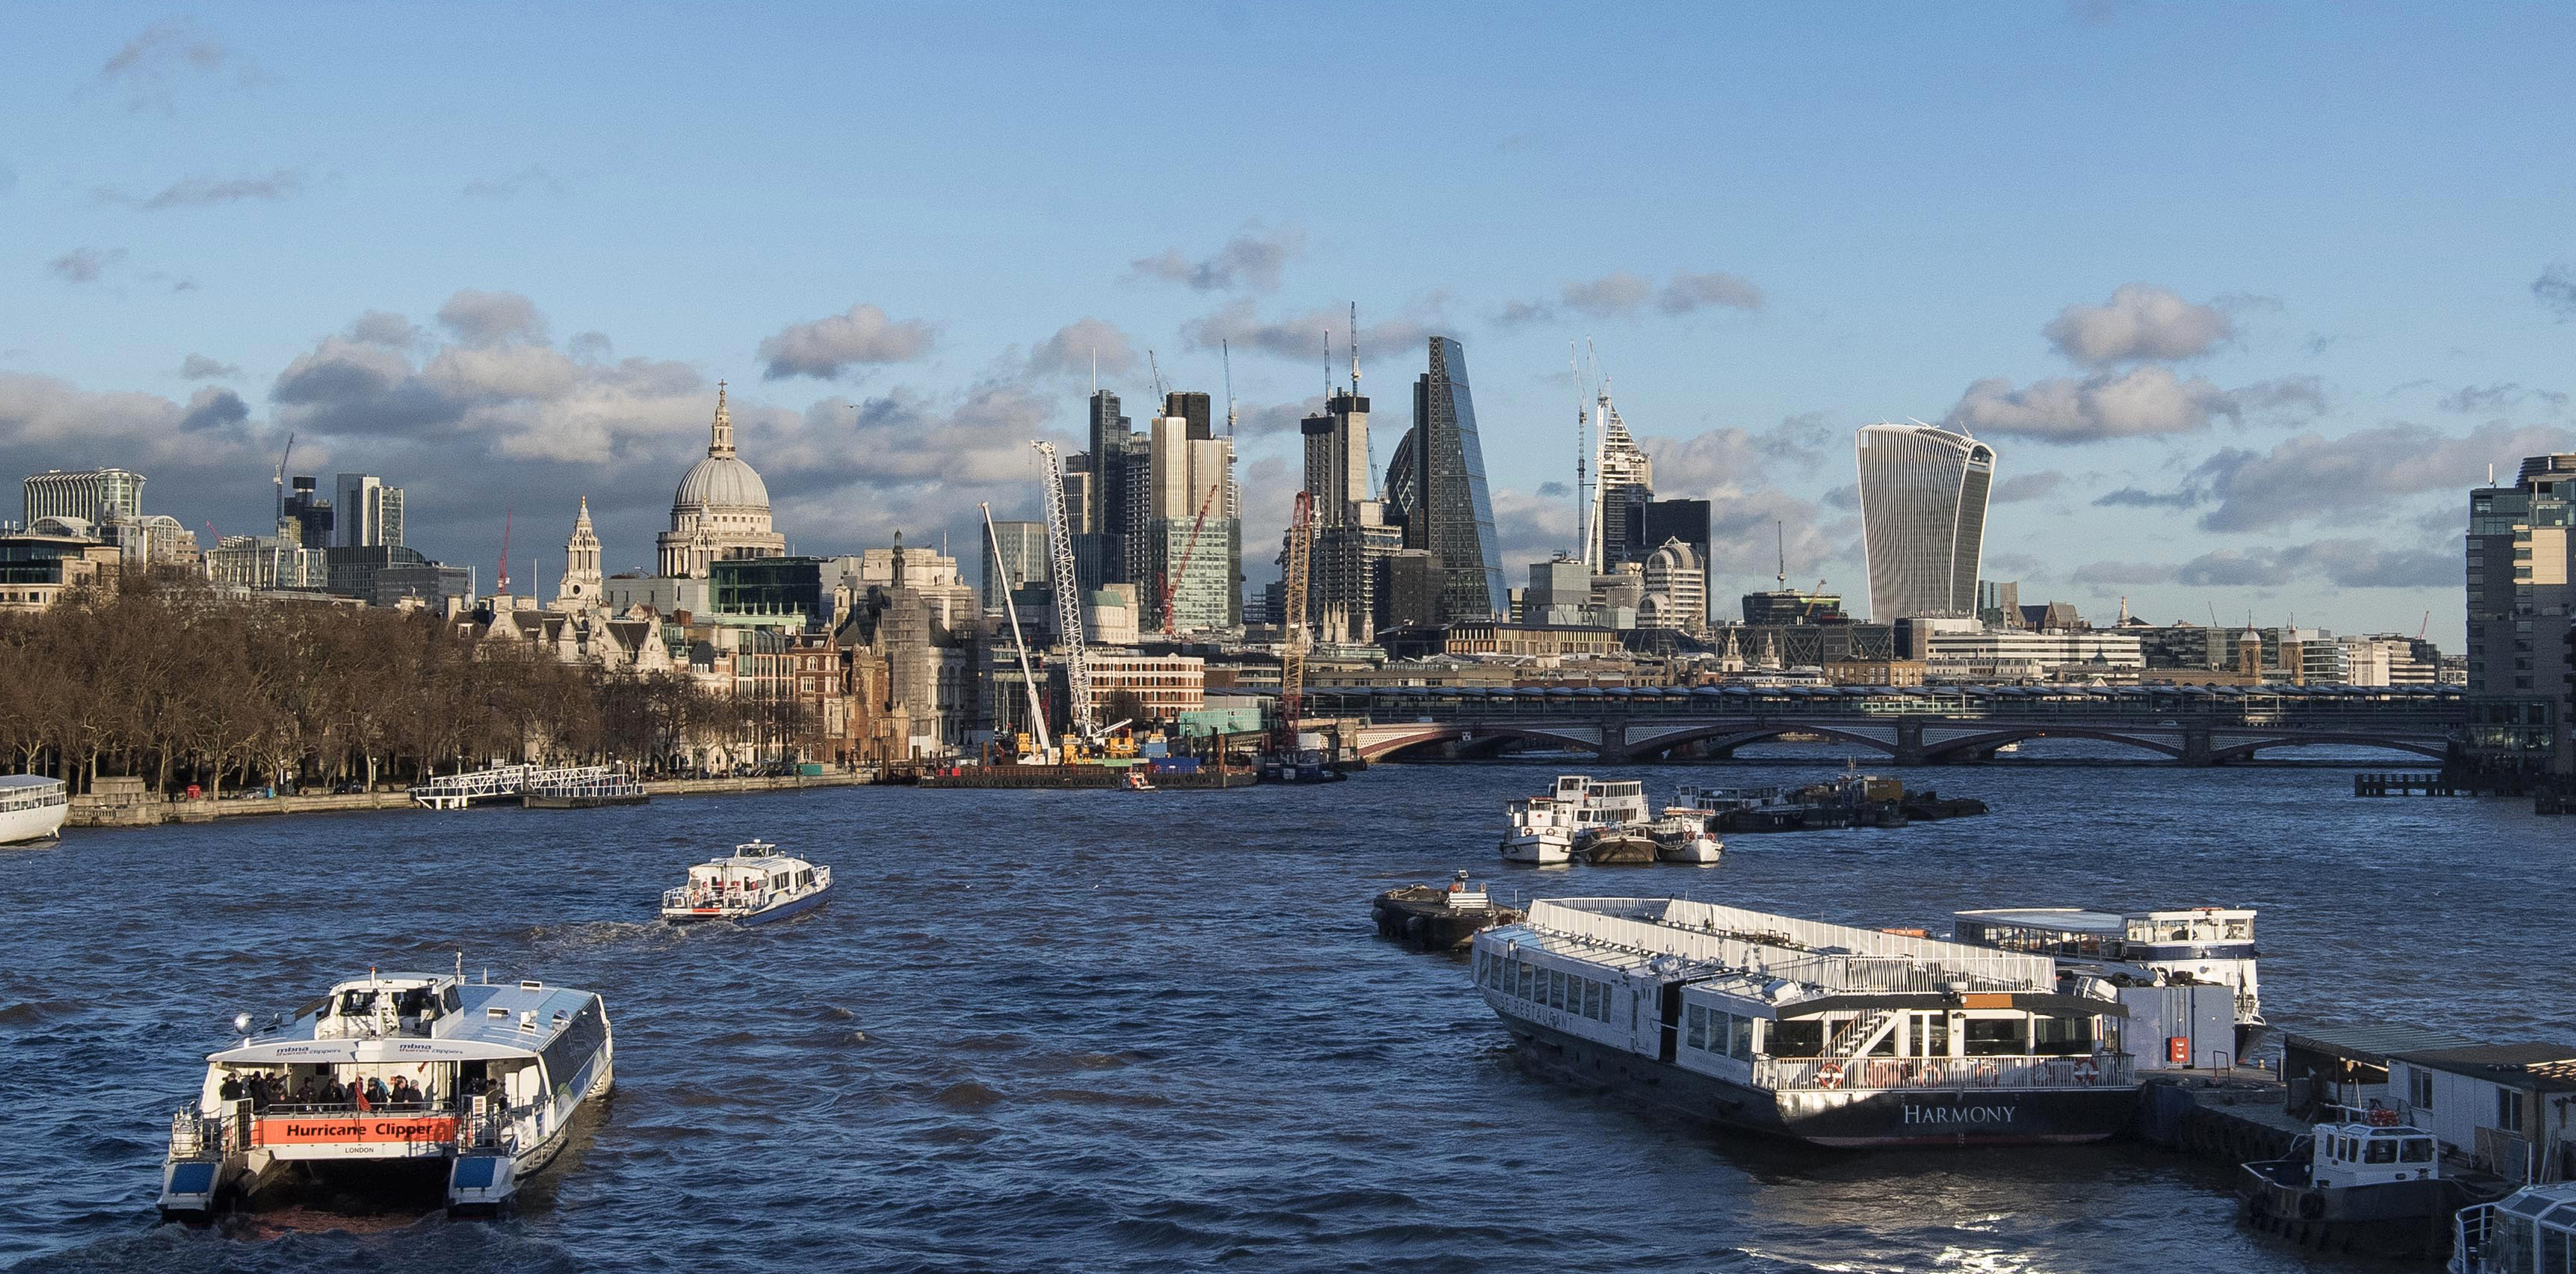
(2216, 386)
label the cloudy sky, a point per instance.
(2245, 297)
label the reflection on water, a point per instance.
(1101, 1030)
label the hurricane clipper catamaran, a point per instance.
(1826, 1033)
(754, 884)
(472, 1083)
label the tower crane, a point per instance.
(280, 481)
(501, 573)
(1292, 651)
(1188, 547)
(1068, 596)
(1028, 679)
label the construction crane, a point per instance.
(1157, 369)
(1028, 679)
(2425, 627)
(1171, 626)
(1068, 597)
(283, 457)
(501, 573)
(1292, 650)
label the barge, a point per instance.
(1823, 1033)
(1439, 918)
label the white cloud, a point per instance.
(825, 347)
(1251, 260)
(2141, 321)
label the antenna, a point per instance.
(1226, 352)
(1780, 531)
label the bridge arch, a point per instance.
(1733, 735)
(1428, 733)
(1975, 744)
(2245, 751)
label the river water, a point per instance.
(1103, 1030)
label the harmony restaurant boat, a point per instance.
(470, 1083)
(754, 884)
(2182, 946)
(31, 808)
(2531, 1231)
(2370, 1180)
(1825, 1033)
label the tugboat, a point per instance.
(1541, 831)
(755, 884)
(2368, 1181)
(1438, 918)
(31, 808)
(470, 1084)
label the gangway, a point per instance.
(456, 791)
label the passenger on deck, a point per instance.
(376, 1090)
(232, 1089)
(304, 1092)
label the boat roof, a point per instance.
(2552, 1205)
(485, 1027)
(2086, 920)
(27, 780)
(1687, 940)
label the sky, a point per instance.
(2245, 298)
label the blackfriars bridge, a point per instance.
(1923, 725)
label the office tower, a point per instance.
(1676, 589)
(95, 496)
(1999, 603)
(1689, 522)
(367, 513)
(1437, 480)
(1115, 549)
(2522, 581)
(1191, 406)
(307, 517)
(1923, 519)
(1191, 532)
(1024, 563)
(1351, 530)
(1625, 481)
(1559, 594)
(1408, 589)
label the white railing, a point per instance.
(2470, 1231)
(1837, 957)
(1823, 1074)
(456, 791)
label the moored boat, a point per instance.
(754, 884)
(2530, 1231)
(32, 808)
(1615, 846)
(1439, 918)
(1596, 818)
(2177, 946)
(472, 1085)
(1540, 831)
(1824, 1033)
(2369, 1181)
(1686, 833)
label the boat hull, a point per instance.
(1701, 850)
(1617, 848)
(29, 826)
(1541, 850)
(780, 911)
(1843, 1120)
(1422, 916)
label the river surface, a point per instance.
(1104, 1030)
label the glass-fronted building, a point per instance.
(1923, 519)
(1438, 481)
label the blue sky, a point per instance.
(2277, 280)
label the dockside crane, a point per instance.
(1292, 650)
(1068, 597)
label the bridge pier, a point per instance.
(2196, 750)
(1614, 741)
(1909, 744)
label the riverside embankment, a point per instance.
(126, 804)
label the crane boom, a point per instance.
(1028, 679)
(1292, 651)
(1189, 547)
(1068, 597)
(502, 584)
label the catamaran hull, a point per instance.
(1848, 1120)
(42, 823)
(793, 906)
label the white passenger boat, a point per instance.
(1686, 836)
(472, 1084)
(31, 808)
(1540, 831)
(1826, 1033)
(2531, 1231)
(2181, 946)
(754, 884)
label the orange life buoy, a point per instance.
(1829, 1075)
(2086, 1072)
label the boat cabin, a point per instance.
(30, 792)
(2532, 1231)
(1601, 803)
(751, 871)
(2372, 1151)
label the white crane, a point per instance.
(1068, 597)
(1028, 679)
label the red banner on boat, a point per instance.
(278, 1130)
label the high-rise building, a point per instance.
(1351, 531)
(1689, 522)
(2522, 588)
(95, 496)
(1191, 406)
(367, 513)
(307, 516)
(1026, 562)
(1676, 589)
(1437, 482)
(1625, 481)
(583, 584)
(1923, 519)
(1191, 531)
(1112, 550)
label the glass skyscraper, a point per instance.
(1923, 519)
(1438, 481)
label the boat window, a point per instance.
(1931, 1035)
(2061, 1036)
(1527, 972)
(1592, 998)
(1695, 1027)
(2556, 1254)
(1798, 1037)
(1741, 1046)
(2382, 1150)
(1994, 1037)
(2416, 1150)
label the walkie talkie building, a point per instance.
(1923, 519)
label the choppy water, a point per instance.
(1082, 1031)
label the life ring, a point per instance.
(2086, 1072)
(2382, 1117)
(1829, 1075)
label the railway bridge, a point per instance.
(2192, 725)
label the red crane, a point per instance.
(501, 584)
(1163, 582)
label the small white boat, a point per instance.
(1137, 782)
(754, 884)
(2366, 1178)
(1541, 831)
(472, 1084)
(31, 808)
(1684, 835)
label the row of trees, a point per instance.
(163, 680)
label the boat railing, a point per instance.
(1818, 1074)
(196, 1135)
(2471, 1228)
(488, 1125)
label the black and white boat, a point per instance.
(2370, 1180)
(754, 884)
(2175, 947)
(1825, 1033)
(469, 1084)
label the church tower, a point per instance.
(581, 587)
